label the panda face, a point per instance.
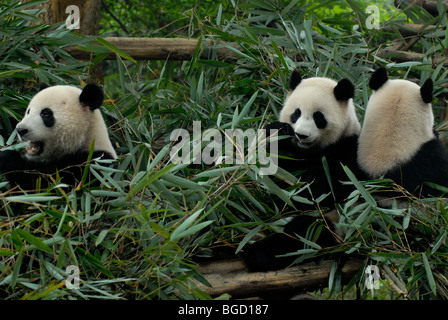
(55, 123)
(317, 117)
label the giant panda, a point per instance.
(397, 139)
(59, 126)
(319, 121)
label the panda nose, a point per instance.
(301, 136)
(22, 131)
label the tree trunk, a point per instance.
(89, 14)
(89, 22)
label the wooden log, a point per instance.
(155, 49)
(428, 5)
(413, 29)
(403, 56)
(231, 277)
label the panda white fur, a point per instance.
(397, 140)
(319, 120)
(59, 126)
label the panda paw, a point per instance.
(256, 259)
(10, 160)
(284, 129)
(263, 255)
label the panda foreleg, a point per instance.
(17, 170)
(11, 160)
(264, 255)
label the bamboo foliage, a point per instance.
(142, 233)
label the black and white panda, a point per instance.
(59, 126)
(319, 120)
(397, 140)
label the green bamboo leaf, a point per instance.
(429, 275)
(236, 120)
(6, 252)
(196, 228)
(101, 237)
(16, 271)
(247, 238)
(184, 229)
(440, 240)
(219, 15)
(216, 172)
(271, 186)
(149, 178)
(33, 240)
(280, 55)
(9, 73)
(364, 193)
(331, 277)
(113, 48)
(182, 182)
(93, 261)
(31, 198)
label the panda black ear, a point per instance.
(426, 91)
(92, 96)
(344, 90)
(379, 77)
(43, 86)
(294, 80)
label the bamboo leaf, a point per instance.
(33, 240)
(236, 120)
(366, 195)
(184, 229)
(429, 275)
(119, 52)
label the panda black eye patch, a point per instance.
(319, 120)
(296, 115)
(47, 117)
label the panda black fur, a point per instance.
(319, 120)
(397, 140)
(59, 126)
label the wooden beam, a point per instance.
(413, 29)
(231, 277)
(403, 56)
(428, 5)
(156, 49)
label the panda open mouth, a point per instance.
(34, 148)
(305, 144)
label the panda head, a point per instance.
(62, 120)
(397, 122)
(320, 111)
